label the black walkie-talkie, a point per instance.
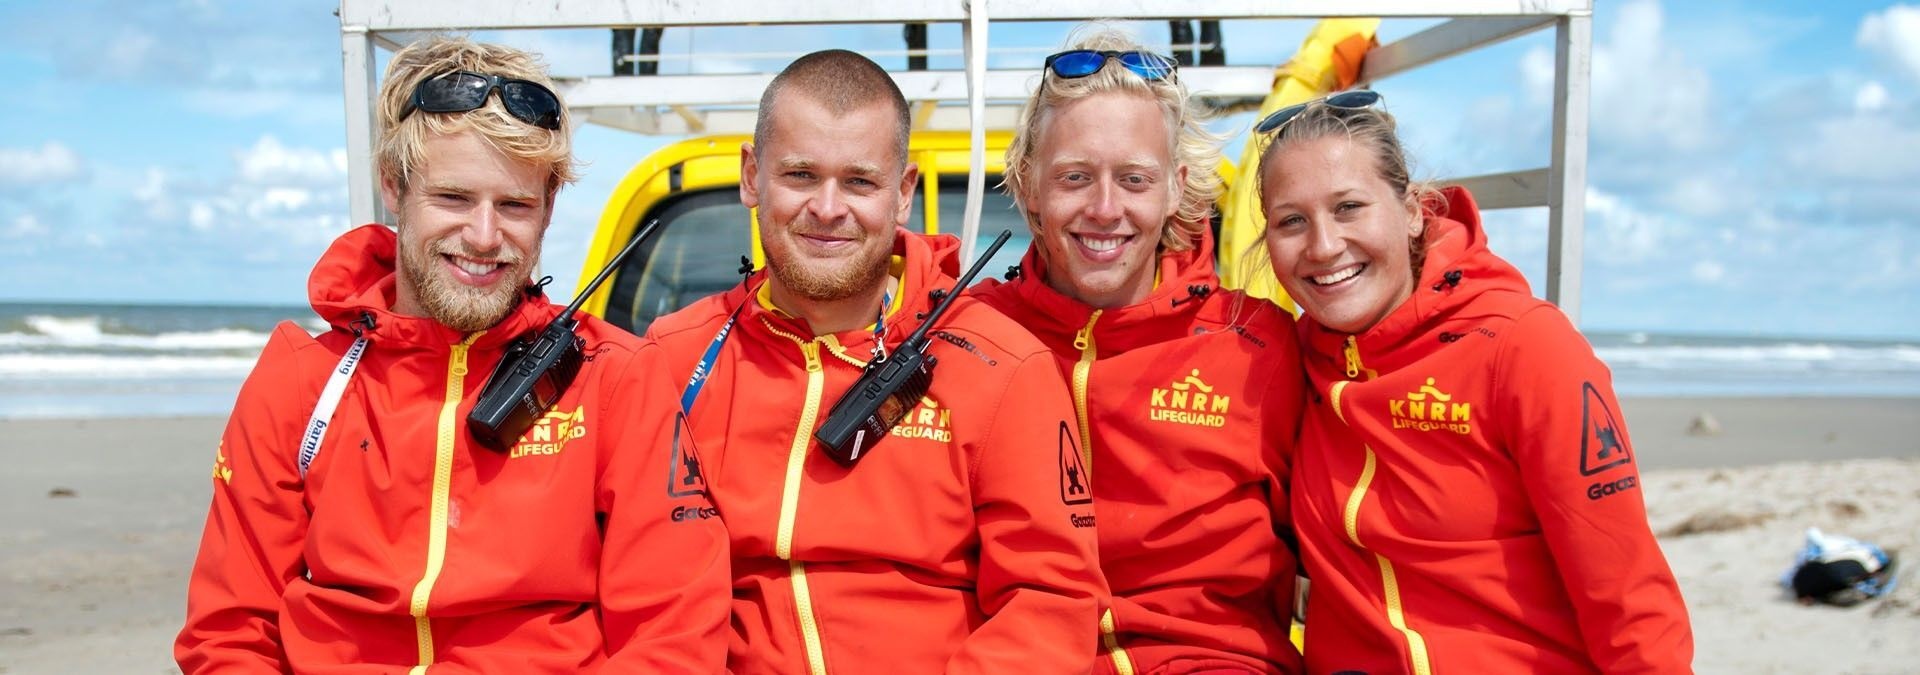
(534, 372)
(892, 384)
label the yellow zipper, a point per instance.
(1082, 371)
(790, 503)
(1350, 518)
(1122, 664)
(1353, 357)
(447, 436)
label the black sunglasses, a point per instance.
(461, 91)
(1346, 100)
(1077, 63)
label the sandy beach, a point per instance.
(102, 518)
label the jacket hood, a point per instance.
(1459, 268)
(356, 282)
(1183, 276)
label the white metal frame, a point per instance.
(696, 104)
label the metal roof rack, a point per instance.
(708, 104)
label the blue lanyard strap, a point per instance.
(704, 368)
(880, 327)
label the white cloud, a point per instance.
(50, 163)
(1627, 234)
(1699, 194)
(25, 226)
(268, 162)
(1894, 35)
(1871, 97)
(1868, 148)
(1645, 92)
(1709, 271)
(154, 198)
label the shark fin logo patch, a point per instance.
(1603, 443)
(686, 477)
(1076, 487)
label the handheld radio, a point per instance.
(892, 384)
(534, 372)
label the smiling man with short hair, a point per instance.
(955, 543)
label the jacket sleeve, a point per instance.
(251, 548)
(1039, 580)
(1281, 411)
(664, 575)
(1565, 431)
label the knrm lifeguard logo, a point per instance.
(926, 421)
(1430, 409)
(551, 433)
(1189, 400)
(1603, 445)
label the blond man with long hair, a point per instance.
(1187, 394)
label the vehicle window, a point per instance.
(996, 214)
(696, 254)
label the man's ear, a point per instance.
(749, 177)
(1176, 187)
(548, 220)
(909, 184)
(390, 193)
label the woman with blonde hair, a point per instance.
(1465, 493)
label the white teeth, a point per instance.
(1100, 245)
(1337, 277)
(475, 268)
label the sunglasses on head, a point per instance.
(461, 91)
(1077, 63)
(1346, 100)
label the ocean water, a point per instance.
(80, 360)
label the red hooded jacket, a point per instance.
(408, 546)
(1465, 492)
(961, 543)
(1190, 400)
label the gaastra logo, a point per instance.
(551, 433)
(1189, 401)
(926, 421)
(1430, 409)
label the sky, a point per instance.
(1752, 164)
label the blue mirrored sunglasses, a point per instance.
(1077, 63)
(1346, 100)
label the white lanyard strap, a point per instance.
(329, 400)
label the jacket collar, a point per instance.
(1183, 277)
(927, 263)
(354, 286)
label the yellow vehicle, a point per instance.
(692, 187)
